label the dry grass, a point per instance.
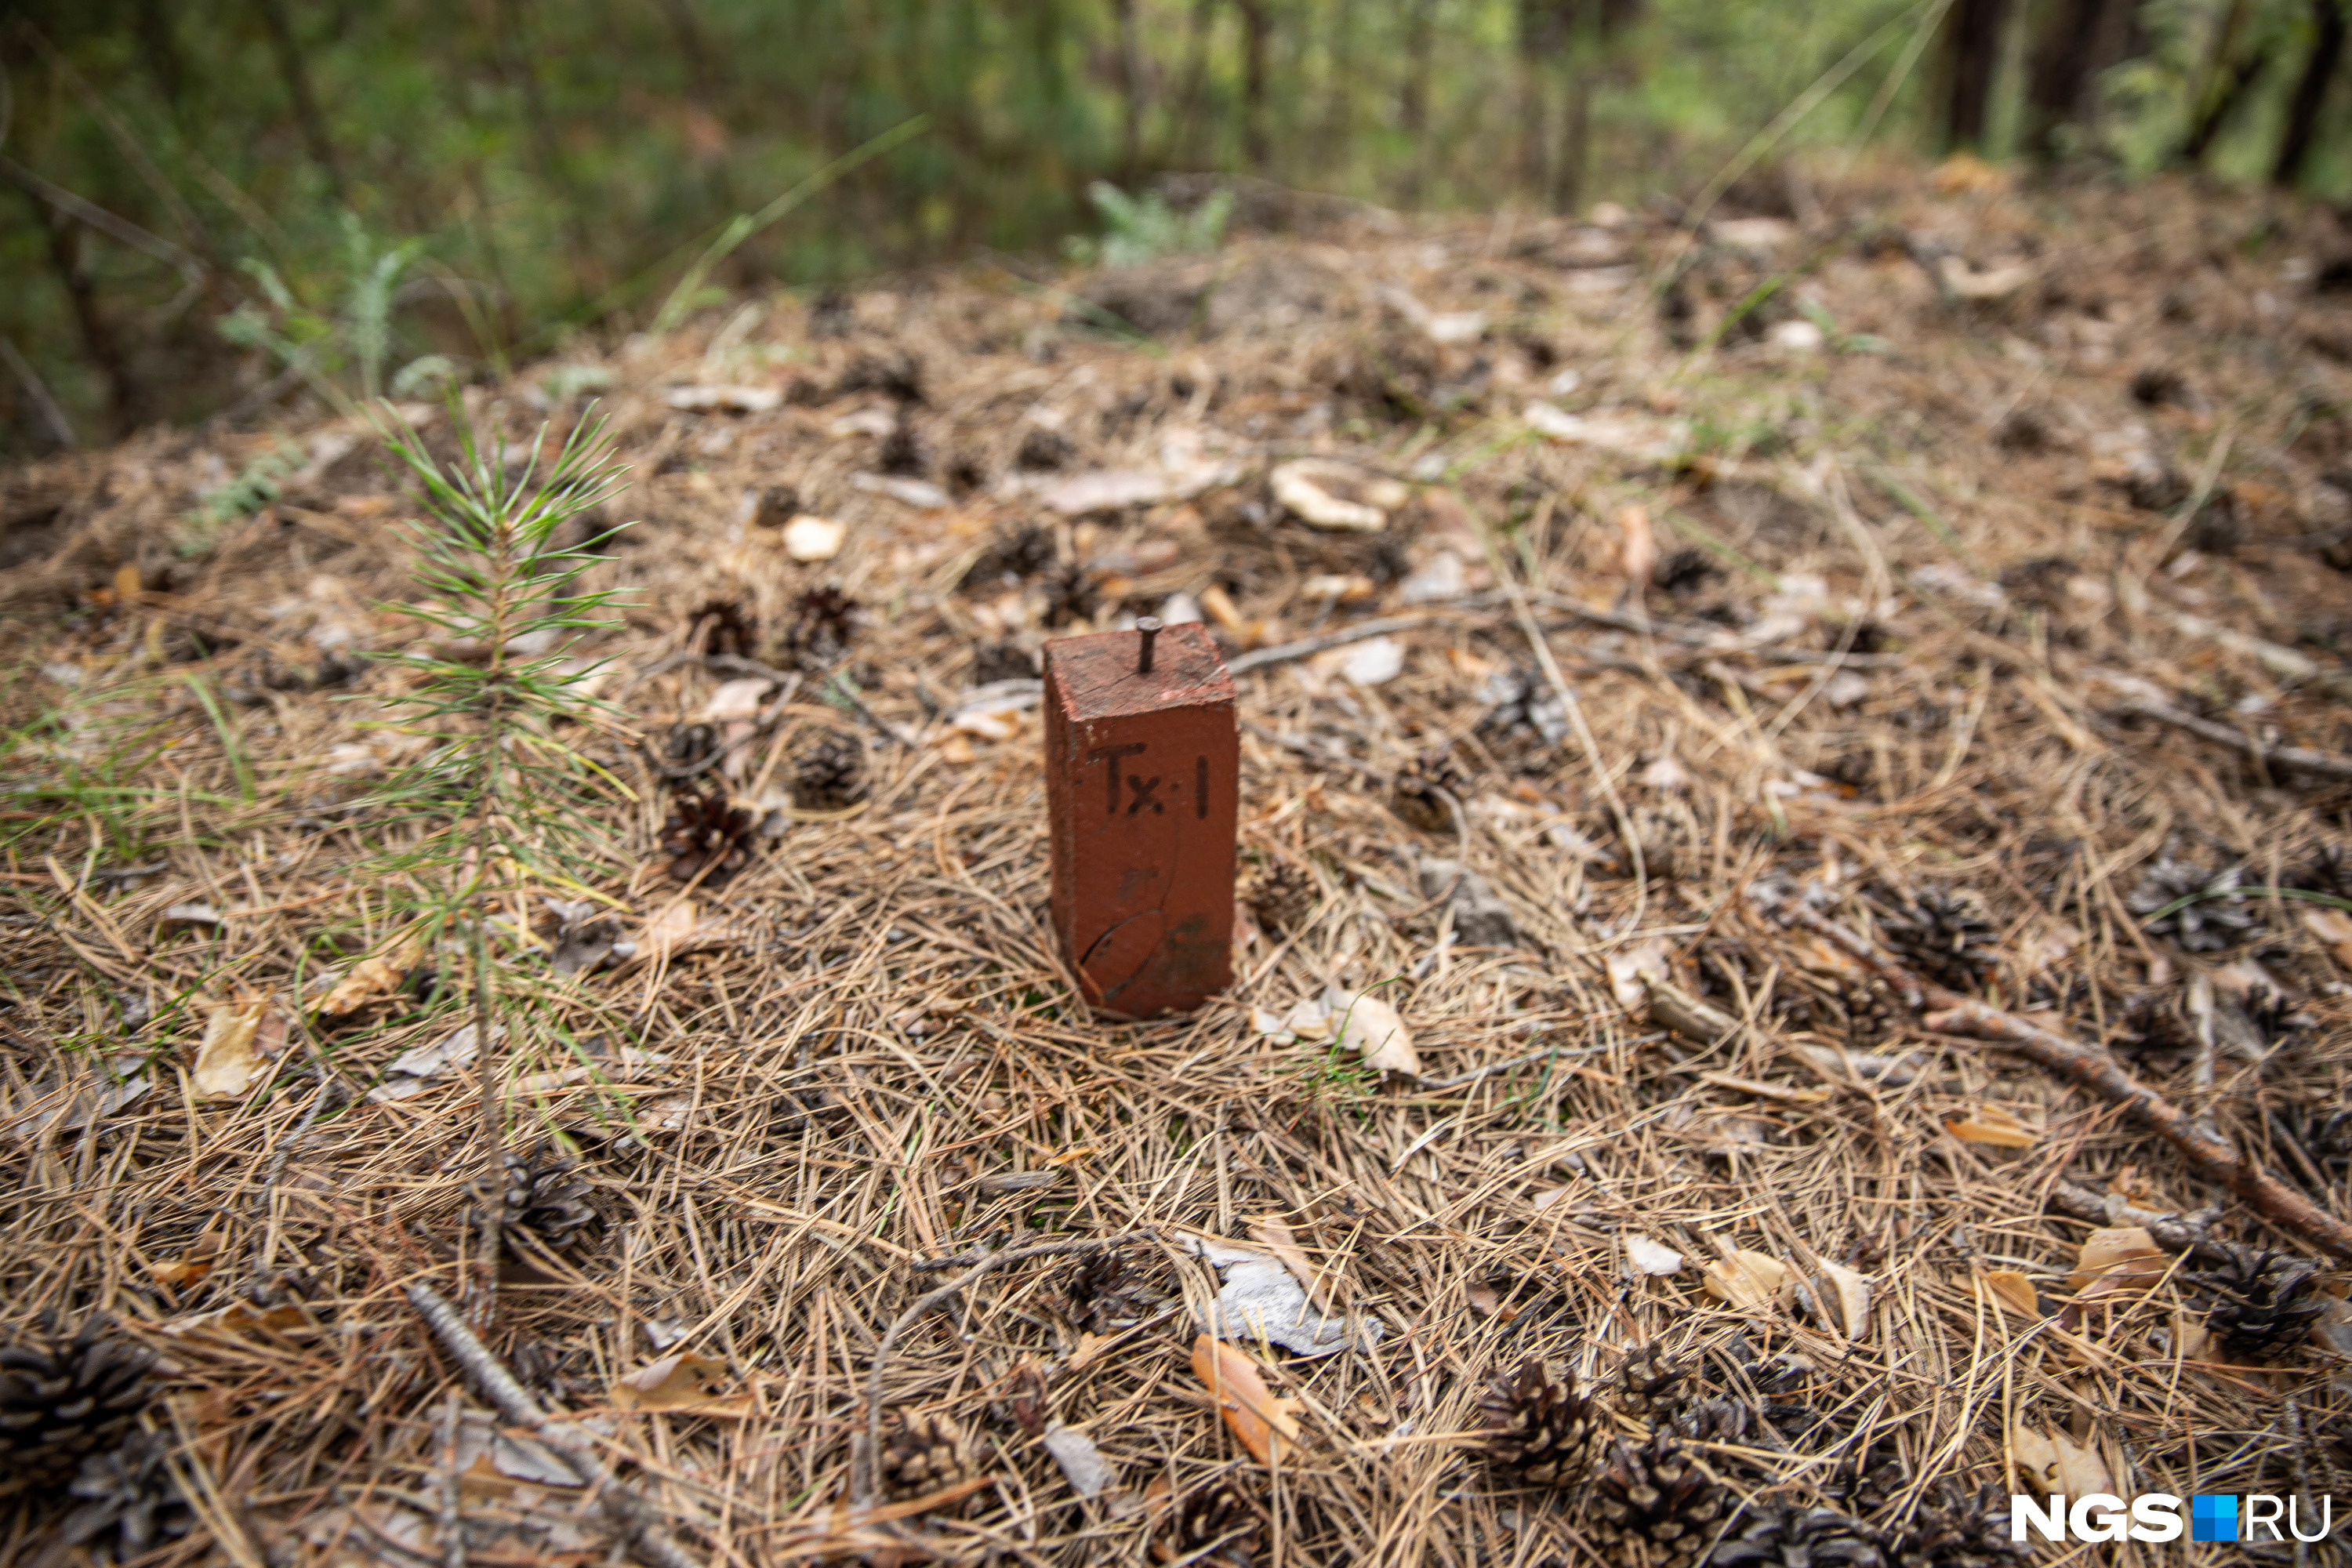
(871, 1027)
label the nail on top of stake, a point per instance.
(1149, 627)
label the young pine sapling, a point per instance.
(503, 798)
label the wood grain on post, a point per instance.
(1143, 773)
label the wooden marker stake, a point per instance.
(1142, 774)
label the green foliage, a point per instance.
(500, 685)
(558, 167)
(1137, 229)
(339, 351)
(254, 487)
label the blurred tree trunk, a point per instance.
(1257, 43)
(159, 51)
(1545, 28)
(1131, 87)
(1180, 135)
(1972, 59)
(296, 73)
(1413, 98)
(2208, 104)
(98, 338)
(1575, 138)
(521, 69)
(2063, 63)
(701, 77)
(2311, 93)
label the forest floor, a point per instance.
(1947, 563)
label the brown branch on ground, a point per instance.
(2094, 1068)
(2172, 1231)
(2299, 759)
(635, 1521)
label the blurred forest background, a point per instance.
(208, 206)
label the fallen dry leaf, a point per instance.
(1263, 1423)
(1632, 970)
(1643, 1256)
(1637, 548)
(2014, 1291)
(1993, 1124)
(1370, 1027)
(372, 979)
(2123, 1258)
(1744, 1279)
(1275, 1236)
(667, 930)
(232, 1054)
(2333, 927)
(1849, 1293)
(2053, 1462)
(681, 1382)
(1088, 1473)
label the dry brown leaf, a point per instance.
(2055, 1462)
(667, 930)
(372, 979)
(1275, 1236)
(681, 1382)
(1090, 1346)
(1995, 1125)
(1632, 970)
(2333, 927)
(2012, 1289)
(1263, 1423)
(232, 1054)
(184, 1271)
(1371, 1029)
(2122, 1258)
(1744, 1279)
(1637, 549)
(1849, 1292)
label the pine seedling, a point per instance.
(502, 795)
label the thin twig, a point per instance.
(637, 1521)
(453, 1509)
(2094, 1068)
(2300, 759)
(862, 1467)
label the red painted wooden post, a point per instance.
(1143, 773)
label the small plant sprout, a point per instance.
(503, 797)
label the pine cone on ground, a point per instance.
(1072, 594)
(1801, 1538)
(62, 1400)
(1005, 660)
(2259, 1301)
(1684, 570)
(1418, 793)
(548, 1198)
(831, 775)
(1104, 1292)
(923, 1454)
(1659, 1495)
(2158, 1029)
(1947, 934)
(128, 1502)
(1711, 1421)
(823, 624)
(2329, 871)
(722, 626)
(1024, 553)
(1670, 837)
(1539, 1426)
(1283, 895)
(703, 829)
(2216, 918)
(2278, 1021)
(1959, 1532)
(2325, 1132)
(1648, 1385)
(1207, 1515)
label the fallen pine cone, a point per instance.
(704, 830)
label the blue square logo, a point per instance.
(2213, 1517)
